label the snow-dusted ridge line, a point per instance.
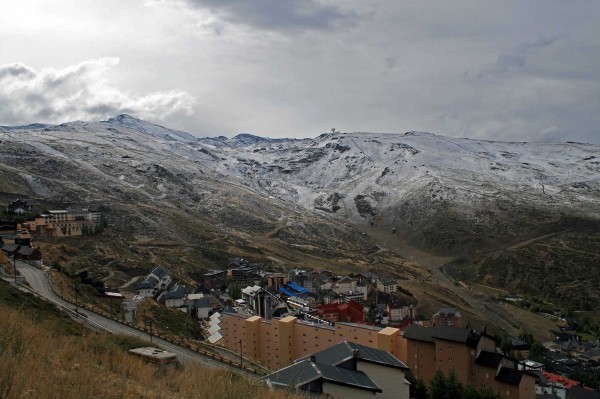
(369, 176)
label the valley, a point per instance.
(496, 214)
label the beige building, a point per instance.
(347, 285)
(277, 342)
(60, 223)
(387, 285)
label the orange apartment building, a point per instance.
(470, 355)
(278, 342)
(64, 223)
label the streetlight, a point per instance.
(146, 323)
(241, 355)
(15, 262)
(76, 299)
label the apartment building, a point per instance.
(447, 317)
(471, 355)
(276, 343)
(61, 223)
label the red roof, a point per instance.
(351, 311)
(559, 379)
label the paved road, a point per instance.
(38, 281)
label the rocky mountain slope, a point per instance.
(307, 201)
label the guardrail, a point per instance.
(208, 354)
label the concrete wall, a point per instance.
(343, 392)
(421, 359)
(454, 356)
(390, 380)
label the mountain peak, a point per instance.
(123, 118)
(248, 138)
(149, 128)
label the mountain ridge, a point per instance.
(289, 200)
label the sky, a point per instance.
(509, 70)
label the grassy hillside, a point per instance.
(43, 354)
(562, 269)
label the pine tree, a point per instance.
(438, 385)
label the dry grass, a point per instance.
(38, 361)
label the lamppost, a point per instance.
(146, 323)
(241, 355)
(15, 262)
(76, 299)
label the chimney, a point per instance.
(354, 353)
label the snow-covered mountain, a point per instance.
(446, 192)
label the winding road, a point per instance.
(39, 284)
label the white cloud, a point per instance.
(78, 92)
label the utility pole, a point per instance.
(146, 323)
(76, 299)
(15, 262)
(241, 355)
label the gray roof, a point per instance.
(342, 376)
(159, 272)
(27, 251)
(430, 334)
(342, 352)
(202, 303)
(305, 371)
(455, 334)
(10, 247)
(295, 375)
(488, 359)
(177, 292)
(419, 333)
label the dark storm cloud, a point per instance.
(278, 15)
